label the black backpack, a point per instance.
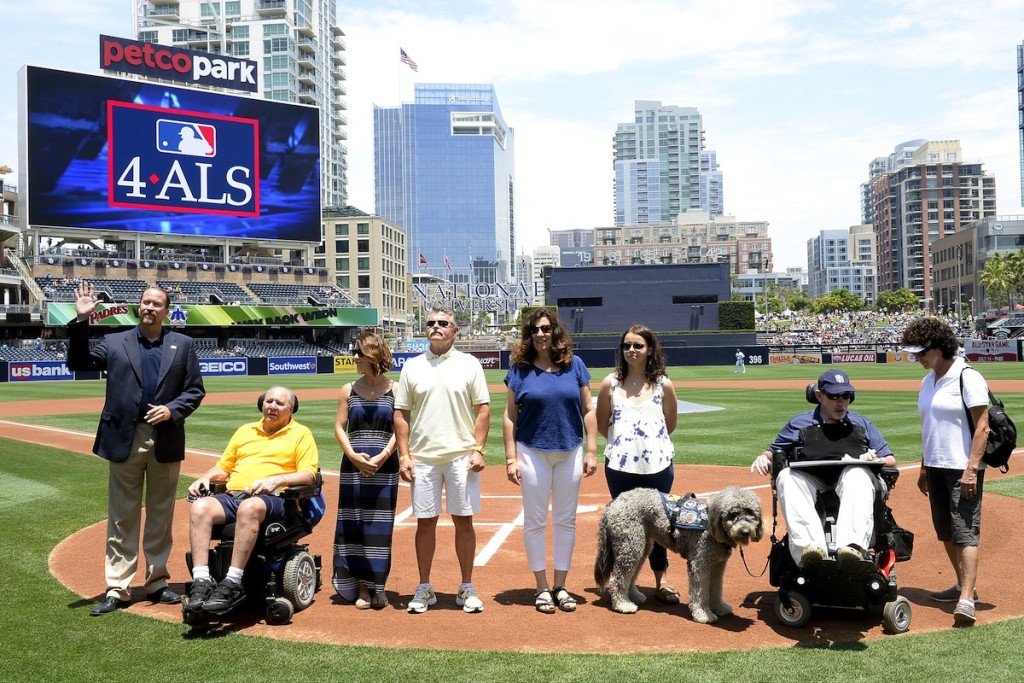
(1002, 433)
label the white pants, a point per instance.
(553, 476)
(854, 523)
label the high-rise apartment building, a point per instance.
(902, 155)
(842, 259)
(693, 238)
(444, 170)
(659, 168)
(924, 200)
(299, 49)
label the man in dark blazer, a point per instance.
(153, 384)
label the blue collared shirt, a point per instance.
(152, 354)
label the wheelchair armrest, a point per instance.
(889, 475)
(780, 461)
(300, 492)
(304, 491)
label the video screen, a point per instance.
(115, 154)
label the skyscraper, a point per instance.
(444, 170)
(299, 48)
(932, 193)
(659, 169)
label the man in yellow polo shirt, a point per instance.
(261, 459)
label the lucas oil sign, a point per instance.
(178, 160)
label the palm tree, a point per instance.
(1015, 275)
(995, 278)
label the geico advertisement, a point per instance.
(224, 367)
(38, 371)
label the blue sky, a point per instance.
(797, 97)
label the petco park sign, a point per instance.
(174, 64)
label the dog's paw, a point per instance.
(625, 607)
(702, 617)
(722, 608)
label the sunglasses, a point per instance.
(357, 352)
(626, 346)
(846, 396)
(543, 329)
(438, 323)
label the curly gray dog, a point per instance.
(637, 519)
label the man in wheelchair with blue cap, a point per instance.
(829, 432)
(261, 459)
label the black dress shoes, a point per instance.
(164, 596)
(109, 604)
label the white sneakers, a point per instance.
(423, 599)
(466, 598)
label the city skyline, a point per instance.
(802, 96)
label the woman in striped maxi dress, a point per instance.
(369, 478)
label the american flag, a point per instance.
(447, 263)
(407, 60)
(423, 259)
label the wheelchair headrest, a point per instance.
(813, 398)
(295, 402)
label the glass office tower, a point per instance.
(444, 170)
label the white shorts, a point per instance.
(461, 488)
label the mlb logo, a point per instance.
(186, 137)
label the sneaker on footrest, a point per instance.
(200, 593)
(226, 596)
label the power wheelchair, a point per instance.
(281, 576)
(864, 585)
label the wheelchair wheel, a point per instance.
(280, 611)
(896, 615)
(796, 613)
(300, 580)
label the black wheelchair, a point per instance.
(868, 585)
(282, 576)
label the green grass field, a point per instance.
(48, 494)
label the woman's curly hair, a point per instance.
(655, 367)
(931, 333)
(523, 354)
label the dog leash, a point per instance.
(775, 526)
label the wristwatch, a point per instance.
(479, 449)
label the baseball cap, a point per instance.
(834, 382)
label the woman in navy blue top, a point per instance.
(548, 412)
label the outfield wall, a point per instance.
(976, 351)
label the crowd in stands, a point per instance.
(847, 328)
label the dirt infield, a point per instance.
(509, 621)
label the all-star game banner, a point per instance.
(182, 315)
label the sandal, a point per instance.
(379, 600)
(543, 602)
(566, 602)
(363, 601)
(667, 594)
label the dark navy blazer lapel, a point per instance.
(171, 343)
(131, 349)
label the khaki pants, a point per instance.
(124, 516)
